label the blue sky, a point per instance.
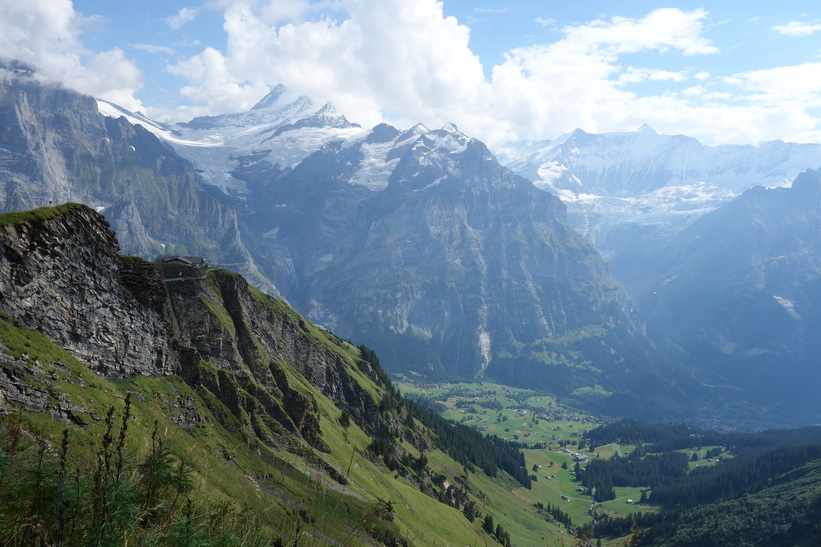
(723, 71)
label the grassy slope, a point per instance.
(231, 465)
(41, 213)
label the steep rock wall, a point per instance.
(60, 273)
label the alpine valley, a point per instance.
(547, 318)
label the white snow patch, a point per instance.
(375, 168)
(161, 131)
(548, 173)
(431, 185)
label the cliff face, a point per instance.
(62, 275)
(455, 268)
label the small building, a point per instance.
(197, 261)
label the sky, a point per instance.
(723, 71)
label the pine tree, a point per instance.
(487, 524)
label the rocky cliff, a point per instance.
(419, 243)
(61, 273)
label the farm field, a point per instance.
(549, 432)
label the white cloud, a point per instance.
(408, 62)
(795, 86)
(387, 56)
(795, 28)
(635, 75)
(151, 48)
(111, 76)
(660, 30)
(45, 34)
(42, 33)
(185, 15)
(493, 10)
(276, 11)
(218, 86)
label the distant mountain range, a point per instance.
(626, 189)
(717, 245)
(737, 294)
(418, 242)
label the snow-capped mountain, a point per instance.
(418, 243)
(627, 187)
(56, 147)
(282, 129)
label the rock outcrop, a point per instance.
(61, 274)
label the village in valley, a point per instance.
(551, 435)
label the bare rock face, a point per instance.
(61, 275)
(457, 268)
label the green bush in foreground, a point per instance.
(49, 498)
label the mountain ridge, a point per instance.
(736, 293)
(643, 185)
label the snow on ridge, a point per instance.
(435, 146)
(608, 156)
(280, 94)
(161, 131)
(375, 168)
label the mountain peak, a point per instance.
(646, 128)
(278, 97)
